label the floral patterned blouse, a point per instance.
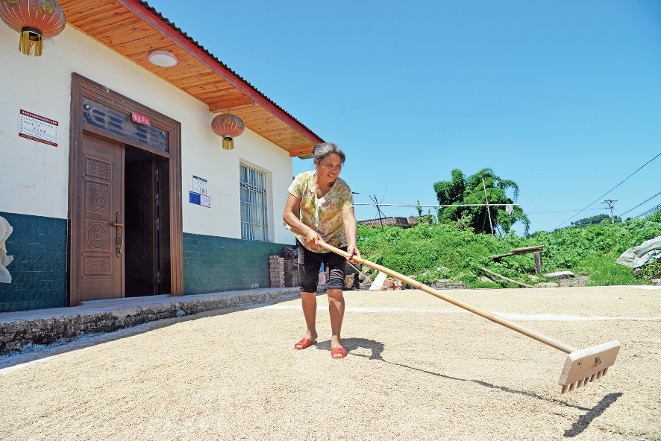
(323, 215)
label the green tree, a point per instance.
(594, 220)
(655, 216)
(462, 191)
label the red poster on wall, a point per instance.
(37, 128)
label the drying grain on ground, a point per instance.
(417, 368)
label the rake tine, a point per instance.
(580, 383)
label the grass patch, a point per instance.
(431, 251)
(604, 272)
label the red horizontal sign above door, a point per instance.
(140, 119)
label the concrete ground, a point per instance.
(417, 368)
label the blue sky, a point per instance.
(562, 97)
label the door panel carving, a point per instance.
(98, 237)
(97, 197)
(98, 267)
(98, 169)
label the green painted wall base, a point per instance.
(39, 269)
(215, 264)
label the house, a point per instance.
(390, 221)
(111, 176)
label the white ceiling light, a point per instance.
(163, 59)
(49, 42)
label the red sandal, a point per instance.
(338, 353)
(304, 343)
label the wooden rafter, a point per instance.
(228, 104)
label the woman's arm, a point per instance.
(351, 231)
(291, 208)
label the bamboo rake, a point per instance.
(581, 366)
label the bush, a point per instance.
(430, 251)
(652, 270)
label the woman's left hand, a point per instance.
(353, 252)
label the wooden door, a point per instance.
(97, 228)
(97, 268)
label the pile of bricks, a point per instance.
(277, 271)
(284, 270)
(390, 284)
(291, 267)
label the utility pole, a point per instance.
(488, 211)
(611, 205)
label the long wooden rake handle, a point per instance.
(487, 315)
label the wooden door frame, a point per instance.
(81, 88)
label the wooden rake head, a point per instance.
(586, 365)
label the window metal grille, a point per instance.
(254, 217)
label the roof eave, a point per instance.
(146, 14)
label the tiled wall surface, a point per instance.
(39, 269)
(213, 264)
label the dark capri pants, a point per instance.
(309, 264)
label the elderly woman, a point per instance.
(325, 203)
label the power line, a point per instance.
(650, 211)
(562, 211)
(646, 200)
(609, 190)
(436, 206)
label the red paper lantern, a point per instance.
(36, 20)
(228, 126)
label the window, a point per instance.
(254, 217)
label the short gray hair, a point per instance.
(320, 151)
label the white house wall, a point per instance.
(34, 176)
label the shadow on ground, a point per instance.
(584, 420)
(376, 348)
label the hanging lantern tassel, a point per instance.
(228, 143)
(35, 20)
(228, 126)
(31, 42)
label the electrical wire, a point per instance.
(646, 200)
(648, 212)
(435, 206)
(563, 211)
(609, 191)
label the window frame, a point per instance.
(253, 200)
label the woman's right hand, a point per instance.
(314, 239)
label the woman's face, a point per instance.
(330, 167)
